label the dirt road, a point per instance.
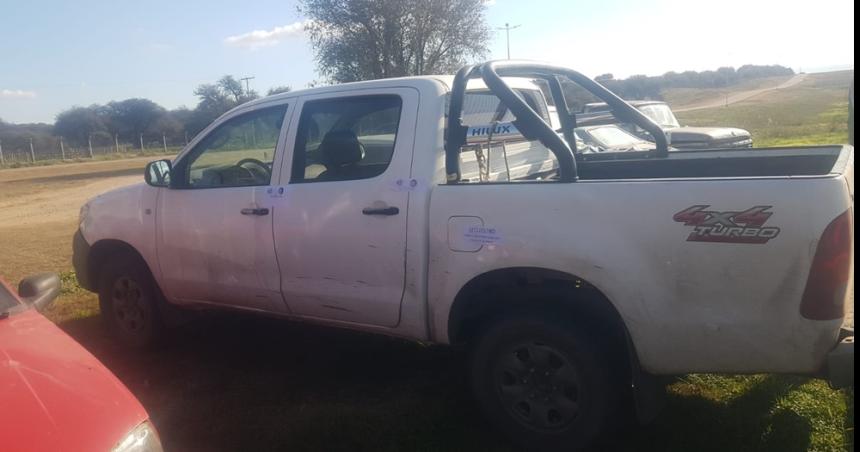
(53, 205)
(39, 209)
(742, 95)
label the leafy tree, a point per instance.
(132, 117)
(232, 87)
(77, 124)
(368, 39)
(215, 100)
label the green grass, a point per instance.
(813, 112)
(683, 97)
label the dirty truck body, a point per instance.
(357, 214)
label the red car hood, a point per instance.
(56, 396)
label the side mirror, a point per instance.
(39, 290)
(157, 173)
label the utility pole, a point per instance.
(141, 142)
(62, 150)
(90, 144)
(2, 161)
(164, 142)
(508, 27)
(247, 84)
(116, 142)
(32, 152)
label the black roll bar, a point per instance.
(531, 125)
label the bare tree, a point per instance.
(367, 39)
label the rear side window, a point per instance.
(346, 138)
(495, 151)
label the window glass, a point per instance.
(495, 150)
(238, 153)
(483, 107)
(661, 114)
(346, 138)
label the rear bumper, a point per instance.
(840, 361)
(80, 260)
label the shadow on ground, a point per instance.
(242, 383)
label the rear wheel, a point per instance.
(128, 300)
(543, 382)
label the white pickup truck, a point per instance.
(573, 283)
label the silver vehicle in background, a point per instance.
(680, 137)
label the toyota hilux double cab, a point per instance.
(575, 279)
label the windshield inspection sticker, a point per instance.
(728, 227)
(482, 235)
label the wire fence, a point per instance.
(52, 149)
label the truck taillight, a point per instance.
(824, 296)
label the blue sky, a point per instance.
(60, 53)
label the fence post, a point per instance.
(2, 161)
(32, 152)
(90, 144)
(62, 150)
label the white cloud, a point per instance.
(263, 38)
(16, 94)
(489, 2)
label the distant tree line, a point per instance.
(645, 87)
(132, 121)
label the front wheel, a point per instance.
(543, 382)
(128, 300)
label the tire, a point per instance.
(129, 302)
(543, 382)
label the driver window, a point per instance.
(239, 153)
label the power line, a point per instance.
(508, 27)
(247, 85)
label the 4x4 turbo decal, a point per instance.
(727, 227)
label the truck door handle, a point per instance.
(388, 211)
(260, 211)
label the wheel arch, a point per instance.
(502, 291)
(102, 251)
(499, 290)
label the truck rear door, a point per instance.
(340, 213)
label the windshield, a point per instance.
(661, 114)
(613, 137)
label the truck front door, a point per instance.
(340, 222)
(214, 234)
